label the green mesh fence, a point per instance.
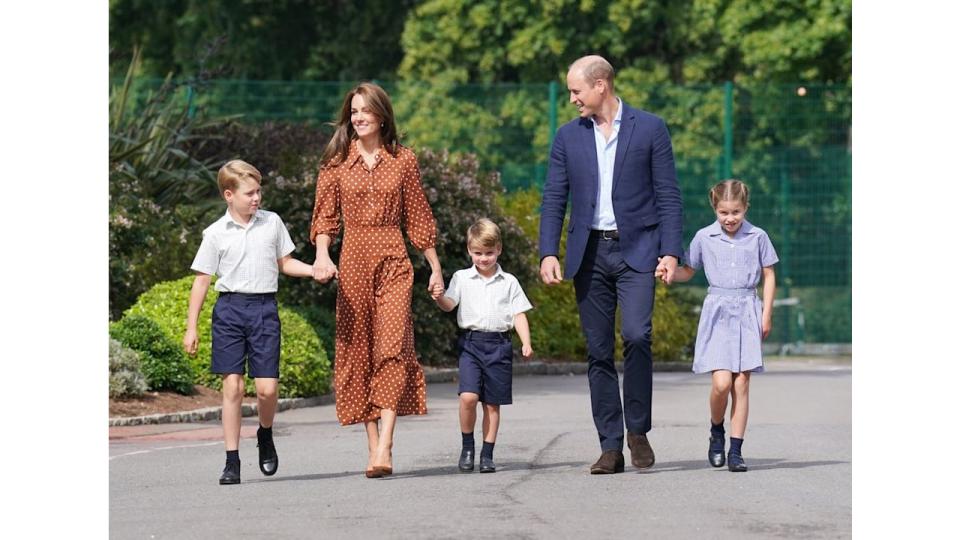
(789, 143)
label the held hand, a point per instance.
(190, 342)
(550, 271)
(660, 271)
(324, 270)
(666, 268)
(767, 325)
(526, 351)
(435, 286)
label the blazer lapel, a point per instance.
(627, 121)
(588, 145)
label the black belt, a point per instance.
(605, 235)
(476, 334)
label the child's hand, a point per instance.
(190, 342)
(767, 324)
(436, 291)
(526, 351)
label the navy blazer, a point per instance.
(646, 197)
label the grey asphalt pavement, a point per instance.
(163, 479)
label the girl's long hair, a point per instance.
(378, 102)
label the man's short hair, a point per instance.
(483, 233)
(235, 171)
(594, 67)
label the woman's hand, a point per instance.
(324, 270)
(435, 285)
(767, 324)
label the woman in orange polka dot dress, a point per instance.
(373, 183)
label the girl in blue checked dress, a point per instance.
(734, 254)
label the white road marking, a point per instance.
(165, 448)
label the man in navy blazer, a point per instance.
(615, 164)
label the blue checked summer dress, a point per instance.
(729, 333)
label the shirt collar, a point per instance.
(353, 157)
(472, 272)
(228, 219)
(745, 228)
(616, 119)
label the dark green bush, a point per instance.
(163, 361)
(126, 379)
(304, 367)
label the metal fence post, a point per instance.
(728, 129)
(785, 235)
(552, 92)
(190, 106)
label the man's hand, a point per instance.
(526, 351)
(666, 268)
(190, 341)
(324, 270)
(550, 271)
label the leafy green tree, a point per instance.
(676, 41)
(279, 39)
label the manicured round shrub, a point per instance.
(163, 362)
(304, 367)
(126, 380)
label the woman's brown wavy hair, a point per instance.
(378, 102)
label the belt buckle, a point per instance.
(612, 235)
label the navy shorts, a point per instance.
(246, 328)
(486, 366)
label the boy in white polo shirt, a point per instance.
(491, 303)
(246, 249)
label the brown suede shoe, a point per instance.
(610, 462)
(641, 455)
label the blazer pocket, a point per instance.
(650, 220)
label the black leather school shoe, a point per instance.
(735, 463)
(231, 474)
(487, 465)
(268, 454)
(715, 453)
(466, 460)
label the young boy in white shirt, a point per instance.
(246, 249)
(491, 303)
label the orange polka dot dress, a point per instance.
(375, 364)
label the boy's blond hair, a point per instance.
(483, 233)
(235, 171)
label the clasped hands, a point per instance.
(666, 268)
(324, 270)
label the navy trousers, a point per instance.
(604, 280)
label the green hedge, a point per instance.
(304, 367)
(163, 361)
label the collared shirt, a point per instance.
(486, 304)
(244, 257)
(604, 219)
(732, 263)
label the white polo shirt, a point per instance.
(486, 304)
(244, 257)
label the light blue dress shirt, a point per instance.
(604, 219)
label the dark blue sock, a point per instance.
(735, 445)
(468, 440)
(233, 456)
(717, 429)
(487, 450)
